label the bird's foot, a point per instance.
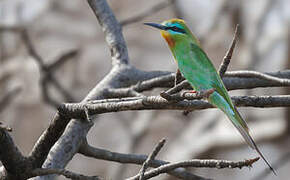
(189, 92)
(199, 94)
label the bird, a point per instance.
(198, 70)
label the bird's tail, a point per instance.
(241, 125)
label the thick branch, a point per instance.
(112, 30)
(12, 159)
(155, 102)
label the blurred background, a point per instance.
(56, 28)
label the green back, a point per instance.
(200, 72)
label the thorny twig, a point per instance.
(227, 59)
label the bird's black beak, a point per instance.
(158, 26)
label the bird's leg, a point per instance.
(178, 77)
(200, 94)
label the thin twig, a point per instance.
(98, 153)
(65, 173)
(227, 59)
(151, 157)
(219, 164)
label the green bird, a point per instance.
(199, 71)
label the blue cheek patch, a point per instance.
(181, 31)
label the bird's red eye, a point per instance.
(174, 28)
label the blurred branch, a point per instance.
(8, 97)
(219, 164)
(287, 90)
(149, 12)
(137, 132)
(62, 59)
(253, 47)
(47, 71)
(216, 20)
(98, 153)
(4, 76)
(177, 10)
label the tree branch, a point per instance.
(151, 157)
(233, 80)
(77, 110)
(112, 30)
(219, 164)
(13, 161)
(227, 59)
(65, 173)
(98, 153)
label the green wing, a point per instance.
(215, 82)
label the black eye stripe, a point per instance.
(176, 29)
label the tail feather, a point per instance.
(262, 156)
(221, 100)
(246, 135)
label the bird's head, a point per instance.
(174, 30)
